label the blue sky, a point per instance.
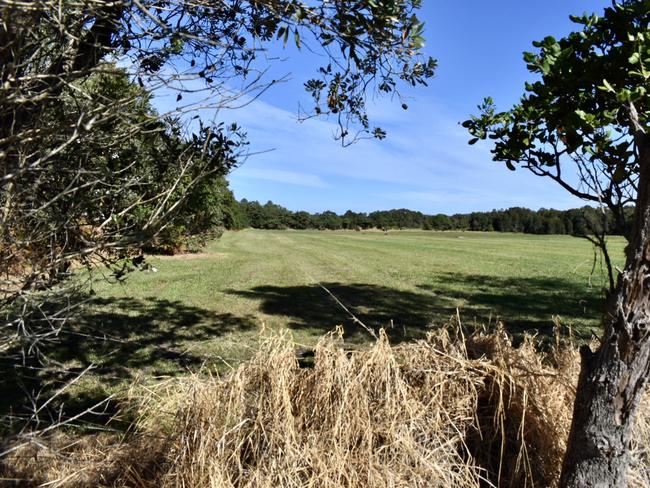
(425, 163)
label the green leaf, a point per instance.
(529, 57)
(635, 58)
(473, 141)
(582, 114)
(620, 174)
(608, 87)
(624, 95)
(510, 166)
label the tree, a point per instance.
(90, 173)
(301, 220)
(328, 220)
(588, 115)
(234, 215)
(274, 216)
(87, 196)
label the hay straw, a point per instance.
(448, 411)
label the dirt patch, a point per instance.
(190, 256)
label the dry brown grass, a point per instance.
(450, 411)
(189, 256)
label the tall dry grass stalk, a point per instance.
(449, 411)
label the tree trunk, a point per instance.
(613, 378)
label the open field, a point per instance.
(210, 308)
(411, 278)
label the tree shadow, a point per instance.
(125, 335)
(405, 315)
(120, 339)
(523, 304)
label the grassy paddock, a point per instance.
(211, 307)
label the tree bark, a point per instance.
(613, 378)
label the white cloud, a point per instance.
(425, 164)
(281, 176)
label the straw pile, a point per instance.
(449, 411)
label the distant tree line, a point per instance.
(579, 221)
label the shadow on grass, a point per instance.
(124, 337)
(404, 314)
(120, 339)
(525, 305)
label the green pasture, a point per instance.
(211, 309)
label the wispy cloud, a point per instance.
(426, 163)
(281, 176)
(425, 166)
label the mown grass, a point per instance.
(211, 308)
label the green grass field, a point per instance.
(210, 308)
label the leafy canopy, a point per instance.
(367, 46)
(577, 123)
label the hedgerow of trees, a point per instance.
(580, 221)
